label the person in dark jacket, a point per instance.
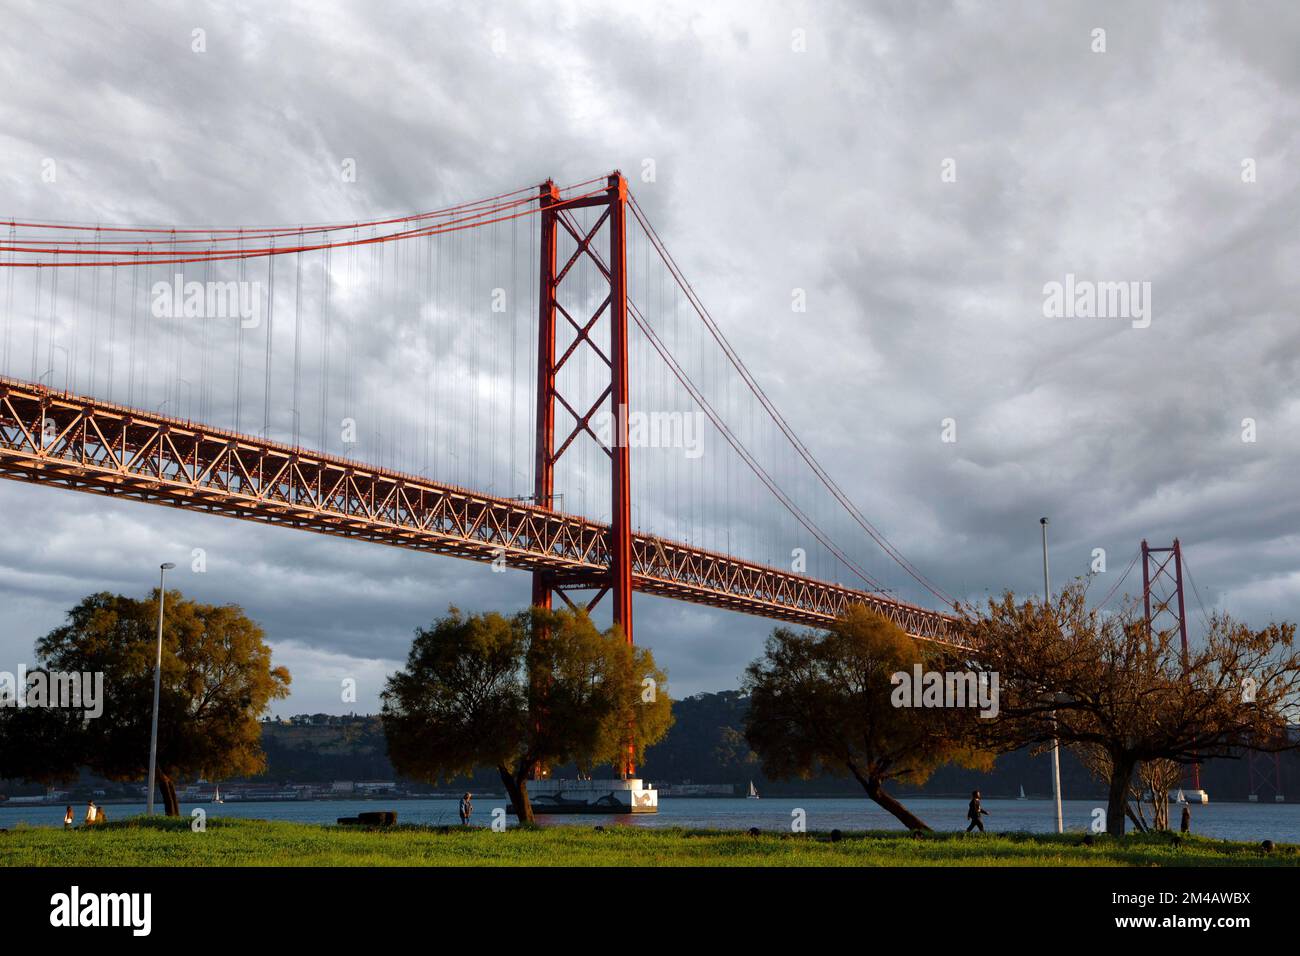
(974, 811)
(1187, 820)
(466, 808)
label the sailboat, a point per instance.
(1181, 798)
(1022, 793)
(216, 794)
(753, 794)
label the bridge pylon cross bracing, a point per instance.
(616, 580)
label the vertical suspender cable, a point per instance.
(325, 344)
(297, 344)
(270, 328)
(9, 306)
(112, 327)
(36, 321)
(239, 339)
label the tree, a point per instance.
(1156, 778)
(540, 688)
(217, 679)
(824, 702)
(1104, 681)
(1153, 779)
(40, 745)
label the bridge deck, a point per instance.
(89, 445)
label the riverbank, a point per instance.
(229, 842)
(1245, 823)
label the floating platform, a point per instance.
(592, 796)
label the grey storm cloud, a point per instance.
(776, 169)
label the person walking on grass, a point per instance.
(68, 818)
(91, 813)
(466, 808)
(974, 811)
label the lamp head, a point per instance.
(166, 566)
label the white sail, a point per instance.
(753, 794)
(1022, 792)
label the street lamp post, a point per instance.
(157, 683)
(1056, 744)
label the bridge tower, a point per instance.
(612, 221)
(618, 581)
(1162, 598)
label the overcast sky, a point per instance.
(922, 170)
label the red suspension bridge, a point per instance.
(528, 380)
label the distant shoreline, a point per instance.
(493, 795)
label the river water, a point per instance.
(1233, 821)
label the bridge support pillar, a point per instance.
(544, 465)
(620, 464)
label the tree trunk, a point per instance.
(167, 788)
(517, 789)
(1160, 809)
(1135, 813)
(1121, 774)
(904, 816)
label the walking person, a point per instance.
(466, 808)
(68, 818)
(1186, 826)
(974, 811)
(91, 813)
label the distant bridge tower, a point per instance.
(1162, 598)
(1265, 771)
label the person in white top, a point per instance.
(91, 813)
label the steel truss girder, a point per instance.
(88, 445)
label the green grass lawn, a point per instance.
(260, 843)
